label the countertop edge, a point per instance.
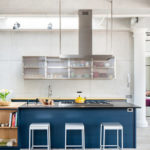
(116, 106)
(68, 98)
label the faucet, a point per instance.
(50, 90)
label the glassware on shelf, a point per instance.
(98, 64)
(34, 62)
(80, 74)
(103, 63)
(80, 63)
(103, 73)
(57, 63)
(57, 73)
(34, 73)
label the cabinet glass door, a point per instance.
(103, 69)
(57, 68)
(34, 67)
(80, 69)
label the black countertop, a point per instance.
(60, 105)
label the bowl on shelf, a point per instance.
(8, 142)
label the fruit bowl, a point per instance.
(4, 103)
(48, 101)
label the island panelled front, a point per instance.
(91, 117)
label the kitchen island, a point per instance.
(92, 115)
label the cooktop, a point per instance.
(89, 103)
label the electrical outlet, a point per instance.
(129, 109)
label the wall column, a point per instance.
(139, 35)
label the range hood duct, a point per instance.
(85, 37)
(85, 33)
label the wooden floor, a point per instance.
(143, 138)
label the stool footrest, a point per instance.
(110, 145)
(40, 146)
(73, 145)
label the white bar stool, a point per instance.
(75, 126)
(111, 126)
(39, 126)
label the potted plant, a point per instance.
(3, 95)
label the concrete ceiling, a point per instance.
(125, 8)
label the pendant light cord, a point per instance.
(111, 25)
(60, 27)
(107, 32)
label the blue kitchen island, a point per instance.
(90, 115)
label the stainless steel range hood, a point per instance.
(85, 33)
(85, 37)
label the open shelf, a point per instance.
(57, 67)
(8, 127)
(80, 67)
(65, 30)
(8, 133)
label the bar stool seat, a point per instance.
(75, 126)
(110, 126)
(39, 126)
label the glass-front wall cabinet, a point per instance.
(103, 69)
(57, 68)
(34, 67)
(68, 68)
(80, 68)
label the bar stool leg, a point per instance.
(122, 139)
(49, 138)
(101, 137)
(83, 139)
(65, 138)
(29, 139)
(32, 131)
(117, 139)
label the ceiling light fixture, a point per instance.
(16, 26)
(49, 27)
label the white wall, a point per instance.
(14, 45)
(148, 73)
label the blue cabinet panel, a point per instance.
(91, 117)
